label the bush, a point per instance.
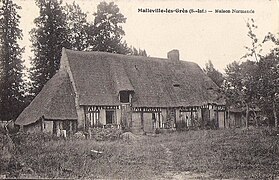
(9, 157)
(157, 131)
(181, 126)
(27, 141)
(21, 150)
(5, 152)
(101, 134)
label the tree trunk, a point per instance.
(247, 116)
(275, 115)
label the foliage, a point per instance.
(256, 47)
(137, 52)
(11, 68)
(101, 134)
(5, 153)
(181, 125)
(241, 78)
(66, 26)
(269, 79)
(273, 38)
(77, 27)
(48, 38)
(214, 74)
(254, 82)
(232, 85)
(240, 84)
(107, 31)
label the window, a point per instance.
(109, 117)
(65, 125)
(176, 85)
(124, 97)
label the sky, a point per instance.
(199, 37)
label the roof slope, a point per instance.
(99, 77)
(55, 101)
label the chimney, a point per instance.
(173, 55)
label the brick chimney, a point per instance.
(173, 55)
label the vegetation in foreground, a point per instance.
(251, 154)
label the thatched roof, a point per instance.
(156, 82)
(55, 101)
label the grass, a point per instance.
(228, 154)
(242, 154)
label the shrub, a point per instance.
(157, 131)
(102, 134)
(27, 141)
(5, 152)
(181, 126)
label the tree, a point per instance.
(232, 84)
(269, 85)
(266, 76)
(142, 52)
(269, 79)
(214, 74)
(107, 30)
(48, 38)
(241, 85)
(256, 47)
(77, 27)
(137, 52)
(11, 82)
(247, 88)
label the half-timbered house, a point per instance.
(103, 90)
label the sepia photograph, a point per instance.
(144, 89)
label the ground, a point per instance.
(201, 154)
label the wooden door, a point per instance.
(147, 122)
(126, 115)
(221, 119)
(205, 118)
(136, 122)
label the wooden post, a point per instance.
(217, 119)
(102, 116)
(71, 128)
(226, 119)
(42, 123)
(164, 117)
(200, 118)
(118, 116)
(177, 118)
(192, 118)
(141, 119)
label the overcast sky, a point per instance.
(219, 37)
